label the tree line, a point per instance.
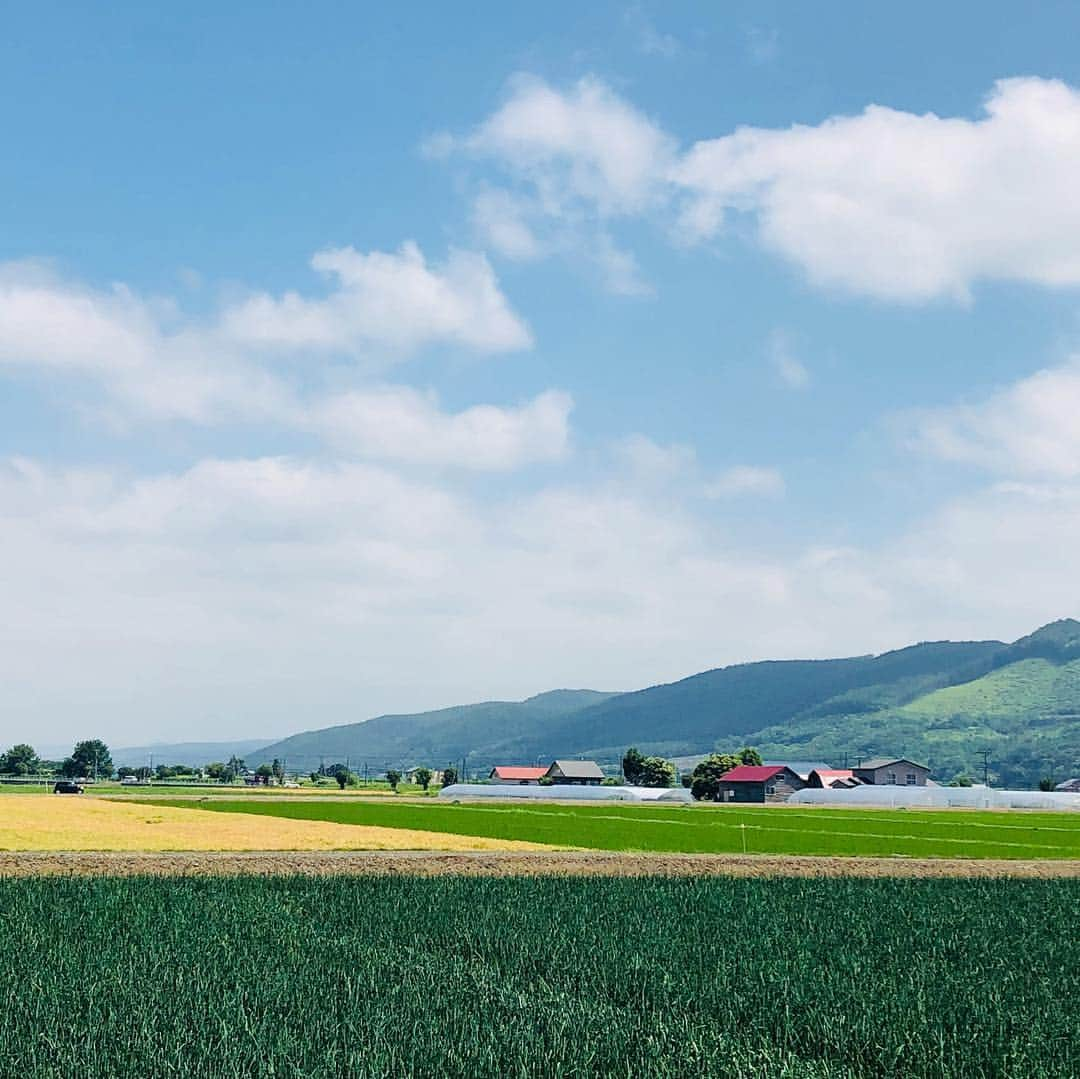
(703, 782)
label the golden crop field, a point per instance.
(72, 823)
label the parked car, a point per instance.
(67, 786)
(129, 781)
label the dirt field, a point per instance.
(504, 863)
(34, 823)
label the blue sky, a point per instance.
(358, 360)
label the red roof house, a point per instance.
(759, 783)
(512, 773)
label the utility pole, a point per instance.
(986, 766)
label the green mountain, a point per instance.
(940, 702)
(439, 737)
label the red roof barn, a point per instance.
(512, 773)
(759, 783)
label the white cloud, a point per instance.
(501, 220)
(151, 362)
(380, 301)
(399, 423)
(1027, 429)
(148, 361)
(886, 203)
(585, 145)
(906, 206)
(746, 480)
(267, 595)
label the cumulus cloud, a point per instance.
(887, 203)
(1027, 429)
(147, 361)
(391, 302)
(399, 423)
(907, 206)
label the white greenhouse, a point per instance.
(565, 792)
(937, 798)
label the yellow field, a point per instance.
(35, 823)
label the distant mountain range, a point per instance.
(194, 753)
(943, 703)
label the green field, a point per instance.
(516, 977)
(791, 830)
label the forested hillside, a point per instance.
(941, 702)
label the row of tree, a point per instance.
(704, 782)
(89, 759)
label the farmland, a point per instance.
(35, 823)
(706, 829)
(490, 977)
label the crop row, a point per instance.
(551, 976)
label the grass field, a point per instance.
(548, 976)
(941, 834)
(32, 823)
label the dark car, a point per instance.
(66, 786)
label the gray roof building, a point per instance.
(575, 772)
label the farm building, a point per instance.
(583, 773)
(512, 773)
(564, 792)
(892, 772)
(1070, 786)
(759, 783)
(832, 778)
(929, 797)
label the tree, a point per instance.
(1046, 783)
(216, 770)
(423, 777)
(393, 777)
(631, 765)
(705, 781)
(233, 768)
(449, 776)
(91, 759)
(656, 772)
(279, 771)
(264, 772)
(342, 774)
(960, 780)
(20, 760)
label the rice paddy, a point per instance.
(79, 823)
(708, 829)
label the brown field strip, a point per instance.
(36, 823)
(504, 863)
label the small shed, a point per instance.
(759, 783)
(582, 773)
(512, 773)
(892, 772)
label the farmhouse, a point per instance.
(892, 772)
(522, 775)
(584, 773)
(759, 783)
(832, 779)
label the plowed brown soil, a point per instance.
(504, 864)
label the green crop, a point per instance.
(546, 976)
(774, 830)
